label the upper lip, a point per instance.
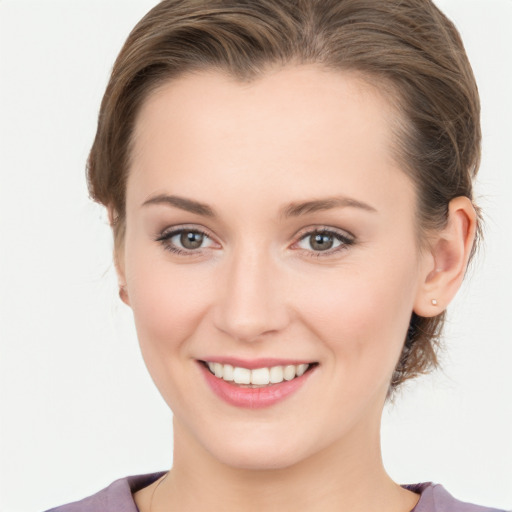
(251, 364)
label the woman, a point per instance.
(290, 190)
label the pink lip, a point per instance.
(253, 398)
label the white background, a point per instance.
(78, 408)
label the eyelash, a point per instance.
(344, 240)
(166, 236)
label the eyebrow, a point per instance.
(303, 208)
(182, 203)
(295, 209)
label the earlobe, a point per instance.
(123, 294)
(449, 255)
(118, 258)
(123, 291)
(112, 216)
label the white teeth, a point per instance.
(276, 374)
(242, 375)
(258, 376)
(301, 368)
(218, 370)
(228, 373)
(289, 372)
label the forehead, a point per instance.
(307, 98)
(304, 126)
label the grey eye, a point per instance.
(191, 239)
(320, 241)
(186, 241)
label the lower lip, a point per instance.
(253, 398)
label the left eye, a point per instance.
(189, 239)
(186, 240)
(320, 241)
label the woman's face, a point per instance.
(269, 226)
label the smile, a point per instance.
(257, 377)
(256, 387)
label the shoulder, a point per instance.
(435, 498)
(117, 497)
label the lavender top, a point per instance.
(118, 497)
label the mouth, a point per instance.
(257, 377)
(256, 387)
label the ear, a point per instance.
(447, 259)
(118, 258)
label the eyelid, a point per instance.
(164, 237)
(347, 239)
(173, 230)
(322, 228)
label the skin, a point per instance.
(251, 152)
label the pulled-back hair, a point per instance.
(407, 48)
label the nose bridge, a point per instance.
(251, 304)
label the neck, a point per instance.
(347, 476)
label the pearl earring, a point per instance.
(434, 302)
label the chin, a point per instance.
(257, 459)
(258, 450)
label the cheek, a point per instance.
(362, 316)
(167, 303)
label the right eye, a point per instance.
(185, 241)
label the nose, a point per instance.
(252, 301)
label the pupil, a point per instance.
(321, 241)
(191, 239)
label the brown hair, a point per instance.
(407, 45)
